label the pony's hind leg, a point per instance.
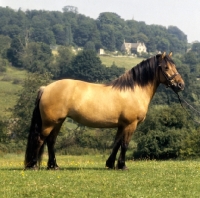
(33, 149)
(35, 141)
(51, 140)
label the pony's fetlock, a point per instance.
(121, 165)
(53, 167)
(110, 164)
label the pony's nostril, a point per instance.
(181, 85)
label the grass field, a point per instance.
(10, 84)
(85, 176)
(125, 61)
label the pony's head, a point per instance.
(168, 73)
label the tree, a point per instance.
(151, 45)
(70, 9)
(190, 58)
(63, 62)
(14, 52)
(69, 35)
(41, 31)
(89, 46)
(162, 134)
(37, 57)
(11, 30)
(111, 28)
(86, 31)
(163, 45)
(108, 37)
(3, 131)
(5, 42)
(142, 38)
(87, 66)
(177, 32)
(191, 145)
(22, 111)
(196, 49)
(113, 72)
(111, 19)
(3, 64)
(60, 34)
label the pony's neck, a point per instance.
(148, 80)
(145, 93)
(151, 88)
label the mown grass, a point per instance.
(85, 176)
(121, 61)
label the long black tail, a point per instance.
(34, 135)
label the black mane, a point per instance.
(142, 74)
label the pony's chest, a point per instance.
(134, 109)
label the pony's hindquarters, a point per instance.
(35, 141)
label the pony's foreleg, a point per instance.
(51, 140)
(110, 163)
(127, 134)
(121, 161)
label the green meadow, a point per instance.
(10, 85)
(121, 61)
(86, 176)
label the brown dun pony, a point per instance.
(120, 104)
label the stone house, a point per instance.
(133, 47)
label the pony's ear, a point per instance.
(163, 55)
(170, 54)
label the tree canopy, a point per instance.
(71, 28)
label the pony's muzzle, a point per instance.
(177, 87)
(181, 86)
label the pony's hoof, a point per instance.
(35, 167)
(124, 168)
(53, 168)
(110, 165)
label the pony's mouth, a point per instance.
(177, 87)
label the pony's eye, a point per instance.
(166, 68)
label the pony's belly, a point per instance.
(101, 122)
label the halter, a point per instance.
(170, 81)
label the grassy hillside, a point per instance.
(10, 84)
(126, 61)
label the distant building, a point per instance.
(133, 47)
(101, 51)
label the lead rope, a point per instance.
(186, 109)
